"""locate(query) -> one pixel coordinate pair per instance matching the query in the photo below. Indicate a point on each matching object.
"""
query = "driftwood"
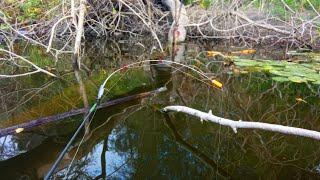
(245, 124)
(58, 117)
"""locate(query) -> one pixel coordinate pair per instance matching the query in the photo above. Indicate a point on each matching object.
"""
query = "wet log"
(58, 117)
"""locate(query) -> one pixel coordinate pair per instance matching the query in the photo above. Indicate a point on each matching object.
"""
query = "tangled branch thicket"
(242, 21)
(248, 23)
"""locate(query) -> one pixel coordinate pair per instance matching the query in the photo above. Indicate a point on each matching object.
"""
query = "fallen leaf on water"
(213, 53)
(19, 130)
(301, 100)
(217, 83)
(244, 52)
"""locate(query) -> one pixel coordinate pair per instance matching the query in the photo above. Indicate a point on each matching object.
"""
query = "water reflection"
(135, 140)
(196, 152)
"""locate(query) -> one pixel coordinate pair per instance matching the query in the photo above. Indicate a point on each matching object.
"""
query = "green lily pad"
(280, 73)
(267, 67)
(298, 68)
(275, 63)
(280, 79)
(246, 63)
(314, 76)
(297, 79)
(283, 70)
(316, 82)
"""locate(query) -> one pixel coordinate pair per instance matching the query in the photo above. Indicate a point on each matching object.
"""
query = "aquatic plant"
(283, 71)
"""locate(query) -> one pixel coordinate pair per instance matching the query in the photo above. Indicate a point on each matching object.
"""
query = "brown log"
(58, 117)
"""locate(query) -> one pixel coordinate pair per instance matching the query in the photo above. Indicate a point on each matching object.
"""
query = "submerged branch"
(58, 117)
(245, 124)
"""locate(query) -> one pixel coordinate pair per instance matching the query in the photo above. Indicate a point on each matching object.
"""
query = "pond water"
(135, 139)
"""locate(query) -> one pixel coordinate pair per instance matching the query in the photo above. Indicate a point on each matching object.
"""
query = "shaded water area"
(136, 140)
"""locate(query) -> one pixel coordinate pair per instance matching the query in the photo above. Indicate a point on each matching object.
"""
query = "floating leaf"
(213, 53)
(245, 52)
(19, 130)
(274, 63)
(294, 72)
(280, 79)
(247, 63)
(267, 67)
(316, 82)
(301, 100)
(280, 73)
(297, 79)
(217, 83)
(314, 76)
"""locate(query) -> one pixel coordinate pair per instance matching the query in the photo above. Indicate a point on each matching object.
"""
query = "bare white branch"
(38, 69)
(245, 124)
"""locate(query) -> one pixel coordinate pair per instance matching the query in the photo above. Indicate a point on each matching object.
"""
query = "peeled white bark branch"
(177, 31)
(53, 30)
(77, 44)
(245, 124)
(38, 69)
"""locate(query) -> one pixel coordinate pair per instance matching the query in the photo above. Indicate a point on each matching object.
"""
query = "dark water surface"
(135, 140)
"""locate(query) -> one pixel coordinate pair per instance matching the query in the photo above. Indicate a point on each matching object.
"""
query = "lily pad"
(297, 79)
(280, 79)
(316, 82)
(314, 76)
(280, 73)
(246, 63)
(268, 67)
(283, 70)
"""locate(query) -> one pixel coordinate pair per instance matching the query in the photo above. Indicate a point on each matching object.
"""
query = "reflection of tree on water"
(144, 146)
(43, 155)
(196, 152)
(103, 160)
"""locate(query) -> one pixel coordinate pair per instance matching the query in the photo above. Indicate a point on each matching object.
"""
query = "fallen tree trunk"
(245, 124)
(58, 117)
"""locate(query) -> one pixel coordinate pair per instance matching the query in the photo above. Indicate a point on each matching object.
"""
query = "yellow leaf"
(244, 52)
(19, 130)
(301, 100)
(216, 83)
(213, 53)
